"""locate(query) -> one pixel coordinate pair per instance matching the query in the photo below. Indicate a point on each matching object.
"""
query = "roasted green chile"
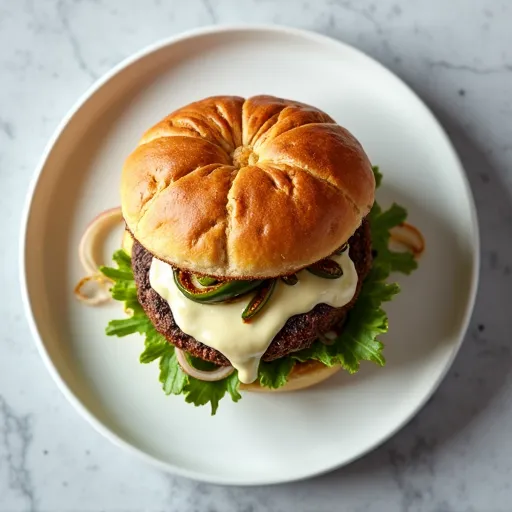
(219, 292)
(341, 250)
(260, 300)
(290, 280)
(213, 291)
(326, 268)
(206, 280)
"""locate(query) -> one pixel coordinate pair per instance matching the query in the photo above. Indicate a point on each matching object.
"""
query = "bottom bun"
(303, 375)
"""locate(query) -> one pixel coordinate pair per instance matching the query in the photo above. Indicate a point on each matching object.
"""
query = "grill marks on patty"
(299, 332)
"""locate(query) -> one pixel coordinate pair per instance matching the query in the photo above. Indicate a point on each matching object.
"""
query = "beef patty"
(299, 332)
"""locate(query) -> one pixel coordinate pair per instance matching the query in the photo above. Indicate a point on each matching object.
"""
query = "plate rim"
(219, 29)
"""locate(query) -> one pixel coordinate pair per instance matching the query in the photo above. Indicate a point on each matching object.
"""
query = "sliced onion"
(100, 295)
(95, 229)
(220, 373)
(86, 254)
(408, 236)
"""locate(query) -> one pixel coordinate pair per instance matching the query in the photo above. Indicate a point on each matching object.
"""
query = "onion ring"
(100, 297)
(408, 236)
(85, 247)
(91, 267)
(220, 373)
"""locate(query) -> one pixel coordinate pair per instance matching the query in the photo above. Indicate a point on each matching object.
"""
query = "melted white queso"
(220, 326)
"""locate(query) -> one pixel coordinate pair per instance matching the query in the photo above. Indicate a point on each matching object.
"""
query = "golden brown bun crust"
(245, 188)
(303, 375)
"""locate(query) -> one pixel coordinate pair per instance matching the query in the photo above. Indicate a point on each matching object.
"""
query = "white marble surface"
(457, 454)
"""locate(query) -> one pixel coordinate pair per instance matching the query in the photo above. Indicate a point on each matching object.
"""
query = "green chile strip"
(260, 300)
(206, 280)
(219, 292)
(326, 268)
(290, 280)
(341, 249)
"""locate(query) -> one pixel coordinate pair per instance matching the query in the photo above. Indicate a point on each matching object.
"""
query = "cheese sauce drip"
(220, 326)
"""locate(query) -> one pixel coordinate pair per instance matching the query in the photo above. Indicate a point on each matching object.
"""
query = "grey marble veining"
(456, 455)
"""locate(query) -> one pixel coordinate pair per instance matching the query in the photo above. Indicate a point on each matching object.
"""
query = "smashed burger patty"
(299, 332)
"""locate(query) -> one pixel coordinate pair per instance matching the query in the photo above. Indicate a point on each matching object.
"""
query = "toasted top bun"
(303, 375)
(245, 188)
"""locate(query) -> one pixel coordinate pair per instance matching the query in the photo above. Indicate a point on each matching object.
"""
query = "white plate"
(263, 438)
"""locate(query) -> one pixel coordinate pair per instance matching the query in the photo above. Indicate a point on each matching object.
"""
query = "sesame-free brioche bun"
(303, 375)
(241, 189)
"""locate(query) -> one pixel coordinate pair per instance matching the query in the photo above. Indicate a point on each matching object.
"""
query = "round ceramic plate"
(265, 438)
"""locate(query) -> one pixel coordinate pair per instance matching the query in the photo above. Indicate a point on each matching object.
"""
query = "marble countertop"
(456, 455)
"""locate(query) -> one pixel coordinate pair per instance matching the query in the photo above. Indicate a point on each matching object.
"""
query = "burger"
(255, 257)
